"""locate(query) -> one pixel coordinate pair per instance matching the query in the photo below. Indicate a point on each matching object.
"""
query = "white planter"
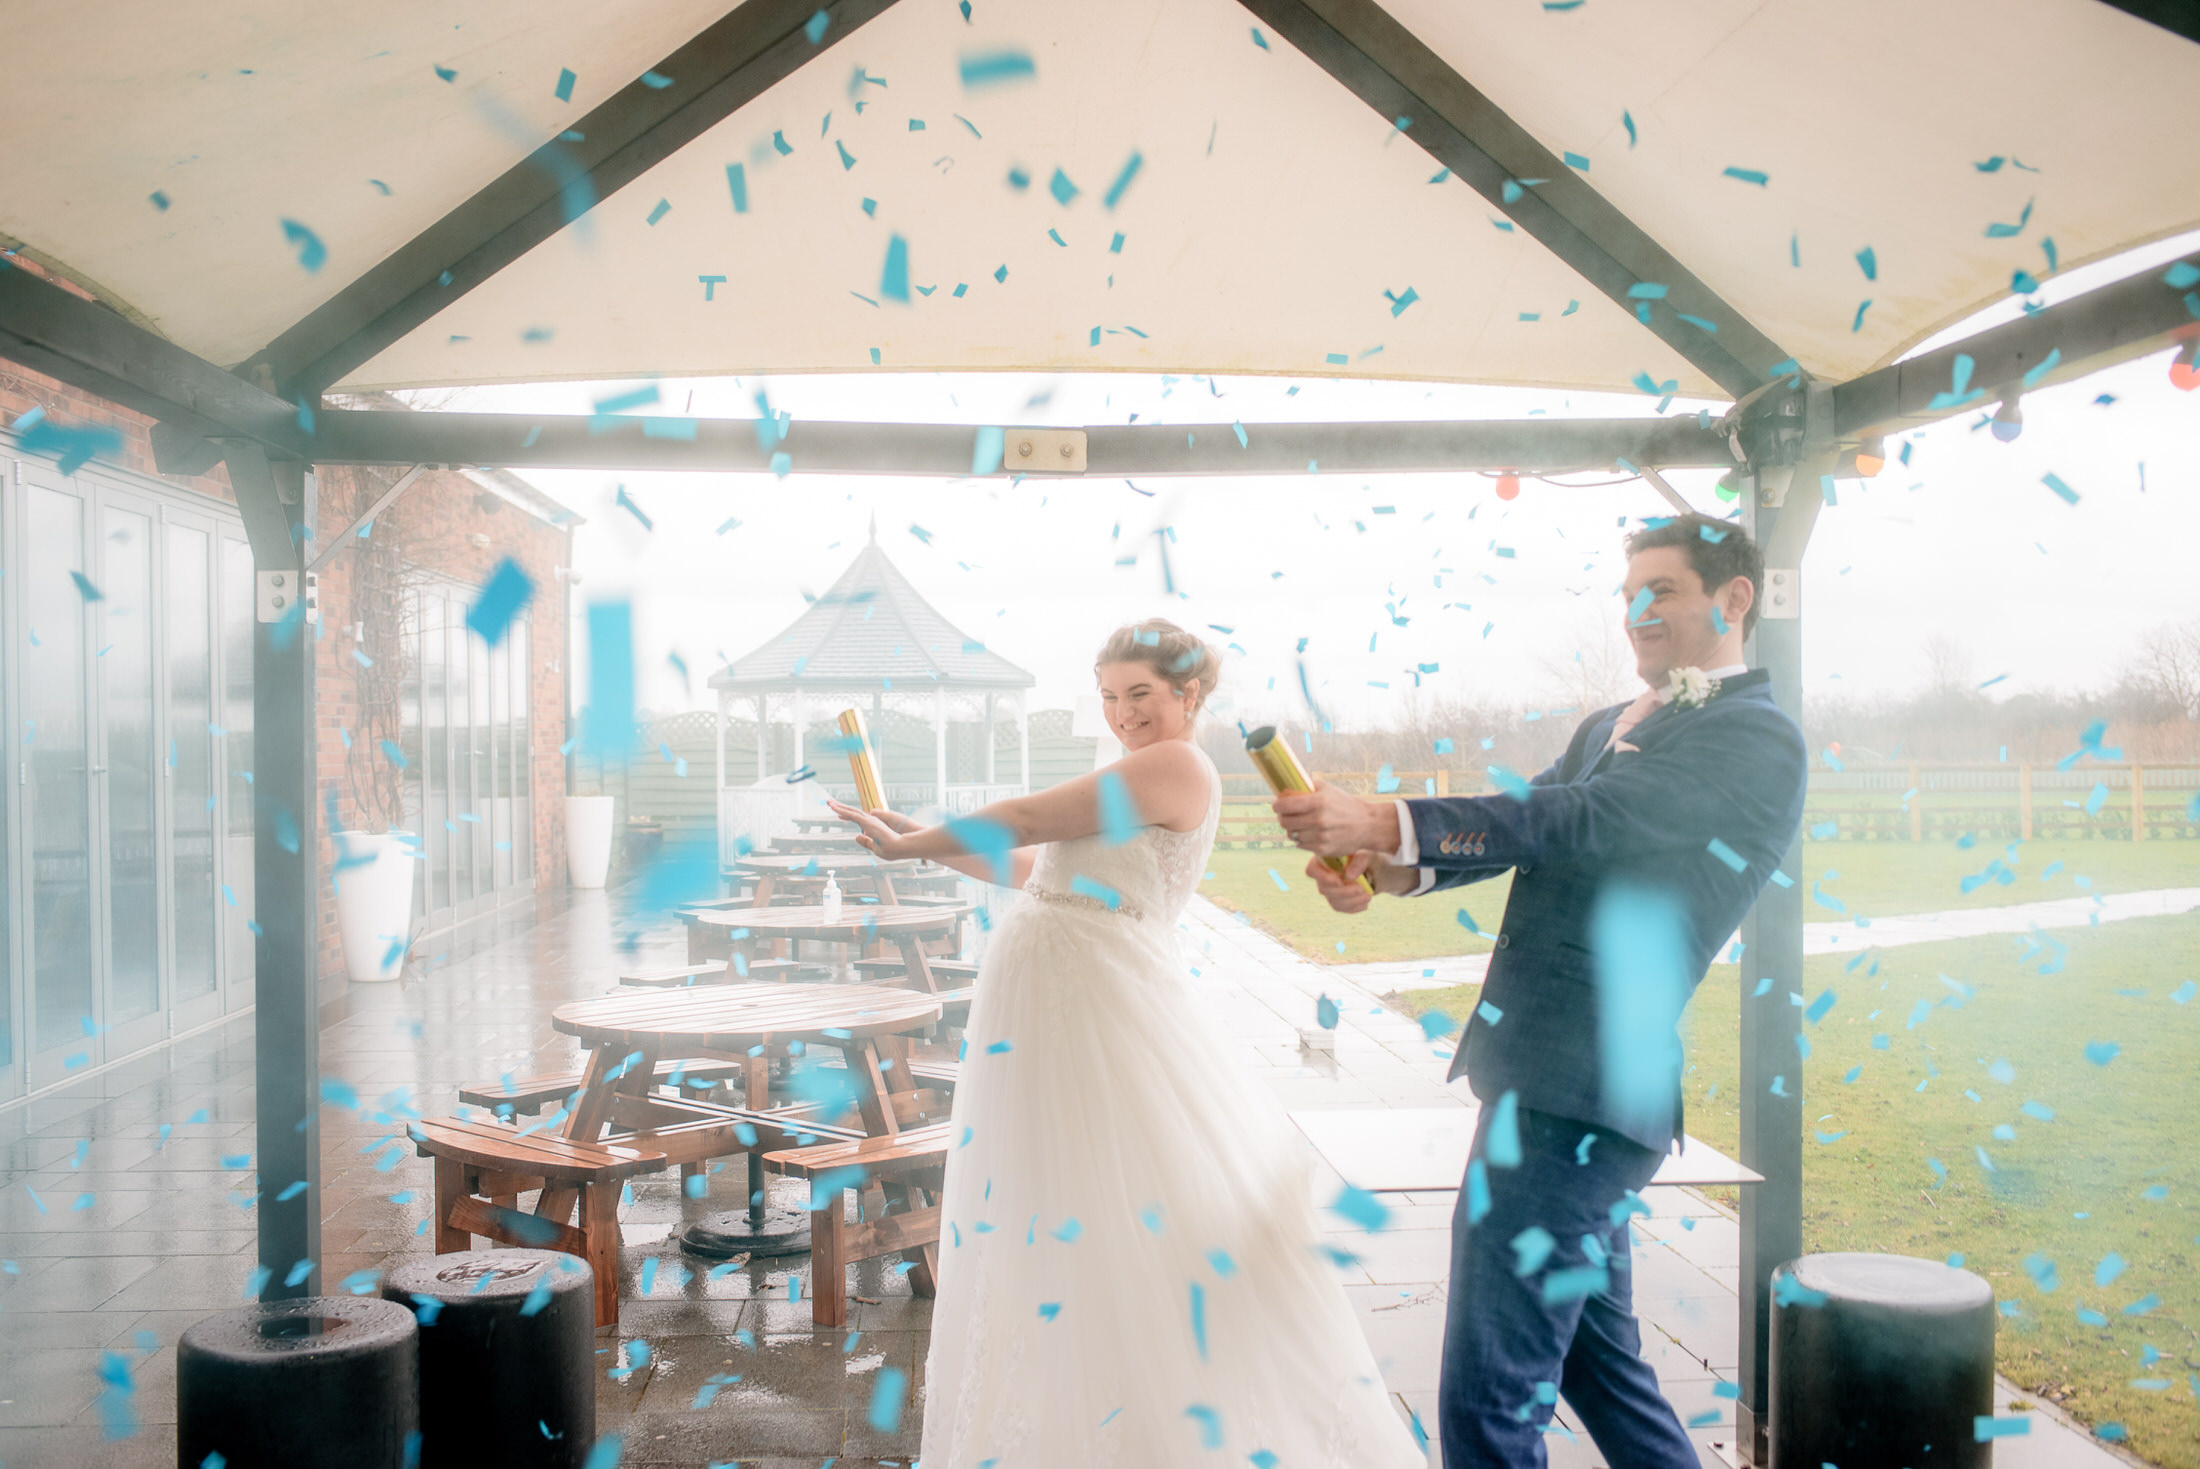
(374, 893)
(587, 840)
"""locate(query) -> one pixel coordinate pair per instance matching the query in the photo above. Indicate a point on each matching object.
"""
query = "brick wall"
(22, 390)
(436, 522)
(450, 526)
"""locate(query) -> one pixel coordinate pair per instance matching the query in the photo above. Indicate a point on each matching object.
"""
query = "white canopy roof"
(1272, 225)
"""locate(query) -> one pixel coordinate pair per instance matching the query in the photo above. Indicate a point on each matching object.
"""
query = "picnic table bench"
(527, 1095)
(910, 1164)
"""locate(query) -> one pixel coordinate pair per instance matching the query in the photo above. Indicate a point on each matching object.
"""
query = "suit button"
(1504, 941)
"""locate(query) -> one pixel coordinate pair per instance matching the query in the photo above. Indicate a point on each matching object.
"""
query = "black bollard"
(323, 1382)
(1880, 1359)
(507, 1340)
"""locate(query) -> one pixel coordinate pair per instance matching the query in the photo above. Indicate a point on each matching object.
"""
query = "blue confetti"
(499, 600)
(1119, 820)
(312, 254)
(1361, 1208)
(1501, 1143)
(992, 68)
(894, 278)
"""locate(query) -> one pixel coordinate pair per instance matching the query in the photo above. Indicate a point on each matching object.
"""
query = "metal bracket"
(1783, 593)
(1657, 482)
(277, 594)
(1044, 451)
(382, 502)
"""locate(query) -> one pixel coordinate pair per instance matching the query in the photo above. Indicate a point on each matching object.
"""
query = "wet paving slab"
(127, 1212)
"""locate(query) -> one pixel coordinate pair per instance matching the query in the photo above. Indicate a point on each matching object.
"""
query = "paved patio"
(126, 1214)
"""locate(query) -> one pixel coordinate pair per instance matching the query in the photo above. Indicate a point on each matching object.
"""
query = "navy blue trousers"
(1514, 1341)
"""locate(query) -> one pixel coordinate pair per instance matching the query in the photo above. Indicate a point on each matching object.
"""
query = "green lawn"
(2115, 1172)
(1875, 879)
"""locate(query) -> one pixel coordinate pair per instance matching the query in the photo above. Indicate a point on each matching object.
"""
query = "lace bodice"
(1151, 877)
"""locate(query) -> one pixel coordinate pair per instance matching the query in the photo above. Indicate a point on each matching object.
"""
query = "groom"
(1633, 857)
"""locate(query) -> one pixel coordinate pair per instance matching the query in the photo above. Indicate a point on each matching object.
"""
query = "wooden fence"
(2005, 802)
(1913, 803)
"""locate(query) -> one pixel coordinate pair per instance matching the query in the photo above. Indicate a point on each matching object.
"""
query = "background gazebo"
(930, 693)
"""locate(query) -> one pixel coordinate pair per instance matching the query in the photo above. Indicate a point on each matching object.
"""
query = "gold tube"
(1272, 757)
(869, 794)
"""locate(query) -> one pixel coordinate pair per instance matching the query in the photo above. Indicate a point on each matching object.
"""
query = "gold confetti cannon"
(870, 795)
(1272, 757)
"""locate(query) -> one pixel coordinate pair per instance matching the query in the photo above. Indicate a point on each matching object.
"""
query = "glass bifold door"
(126, 813)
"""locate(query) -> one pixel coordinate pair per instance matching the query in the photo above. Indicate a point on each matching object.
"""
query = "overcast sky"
(1966, 539)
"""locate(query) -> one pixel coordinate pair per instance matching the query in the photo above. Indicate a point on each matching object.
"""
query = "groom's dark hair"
(1719, 550)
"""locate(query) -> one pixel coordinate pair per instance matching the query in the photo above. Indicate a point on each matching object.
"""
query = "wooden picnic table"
(836, 842)
(628, 1032)
(767, 870)
(906, 926)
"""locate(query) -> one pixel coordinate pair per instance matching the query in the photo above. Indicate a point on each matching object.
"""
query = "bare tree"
(2168, 665)
(1948, 665)
(1598, 670)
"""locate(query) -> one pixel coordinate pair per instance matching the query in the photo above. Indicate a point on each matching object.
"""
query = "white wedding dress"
(1117, 1165)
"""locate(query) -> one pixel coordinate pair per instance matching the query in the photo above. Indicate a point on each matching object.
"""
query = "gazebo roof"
(871, 628)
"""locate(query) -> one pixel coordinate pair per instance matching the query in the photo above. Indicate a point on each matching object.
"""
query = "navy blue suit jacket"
(1731, 770)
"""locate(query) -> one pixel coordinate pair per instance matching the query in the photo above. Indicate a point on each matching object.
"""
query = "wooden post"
(1917, 807)
(1443, 782)
(2024, 802)
(1023, 742)
(939, 746)
(2138, 805)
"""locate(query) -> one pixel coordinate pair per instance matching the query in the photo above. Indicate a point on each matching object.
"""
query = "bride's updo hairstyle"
(1170, 651)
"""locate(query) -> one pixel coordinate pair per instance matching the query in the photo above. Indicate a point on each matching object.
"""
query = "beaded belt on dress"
(1083, 900)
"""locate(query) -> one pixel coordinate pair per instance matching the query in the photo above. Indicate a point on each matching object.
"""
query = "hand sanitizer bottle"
(831, 899)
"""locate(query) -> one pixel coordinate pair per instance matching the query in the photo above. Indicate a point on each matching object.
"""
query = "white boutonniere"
(1691, 688)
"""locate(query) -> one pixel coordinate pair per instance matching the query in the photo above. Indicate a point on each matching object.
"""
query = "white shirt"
(1409, 843)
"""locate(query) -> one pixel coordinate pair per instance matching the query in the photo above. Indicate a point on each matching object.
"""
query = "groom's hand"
(1333, 823)
(1343, 890)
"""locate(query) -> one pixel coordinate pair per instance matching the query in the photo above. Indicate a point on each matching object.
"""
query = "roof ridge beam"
(1392, 70)
(729, 64)
(2114, 323)
(1114, 451)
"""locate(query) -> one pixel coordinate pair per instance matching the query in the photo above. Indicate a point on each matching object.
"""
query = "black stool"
(1891, 1367)
(321, 1381)
(502, 1386)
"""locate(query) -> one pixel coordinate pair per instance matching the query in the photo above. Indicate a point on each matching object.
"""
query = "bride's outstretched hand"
(880, 832)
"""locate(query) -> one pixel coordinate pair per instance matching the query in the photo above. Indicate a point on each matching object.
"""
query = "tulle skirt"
(1129, 1268)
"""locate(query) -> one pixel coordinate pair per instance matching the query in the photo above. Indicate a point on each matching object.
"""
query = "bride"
(1129, 1271)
